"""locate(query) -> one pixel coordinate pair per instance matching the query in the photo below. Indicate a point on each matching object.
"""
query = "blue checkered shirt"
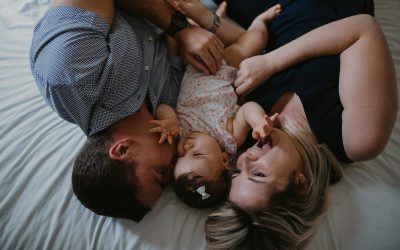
(93, 75)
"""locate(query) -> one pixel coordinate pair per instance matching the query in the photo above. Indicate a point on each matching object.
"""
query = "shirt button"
(150, 38)
(146, 68)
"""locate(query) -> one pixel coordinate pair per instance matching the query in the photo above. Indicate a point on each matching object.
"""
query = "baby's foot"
(270, 14)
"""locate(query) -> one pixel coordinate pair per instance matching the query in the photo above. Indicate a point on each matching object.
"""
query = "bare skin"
(199, 47)
(367, 119)
(240, 44)
(130, 138)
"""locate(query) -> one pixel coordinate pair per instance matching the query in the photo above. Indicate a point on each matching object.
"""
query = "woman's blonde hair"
(290, 217)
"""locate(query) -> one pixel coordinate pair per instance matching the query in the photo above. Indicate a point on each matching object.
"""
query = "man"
(106, 71)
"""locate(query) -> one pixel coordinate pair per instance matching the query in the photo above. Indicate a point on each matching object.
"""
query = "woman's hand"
(201, 48)
(252, 73)
(168, 128)
(190, 8)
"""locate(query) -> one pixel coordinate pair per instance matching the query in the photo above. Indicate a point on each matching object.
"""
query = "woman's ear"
(225, 161)
(120, 150)
(302, 184)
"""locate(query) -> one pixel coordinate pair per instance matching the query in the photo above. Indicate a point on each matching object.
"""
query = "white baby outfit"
(206, 102)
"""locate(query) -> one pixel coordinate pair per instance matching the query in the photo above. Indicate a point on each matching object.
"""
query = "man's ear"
(121, 150)
(225, 161)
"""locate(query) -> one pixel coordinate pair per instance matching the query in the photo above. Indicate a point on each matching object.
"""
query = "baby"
(210, 124)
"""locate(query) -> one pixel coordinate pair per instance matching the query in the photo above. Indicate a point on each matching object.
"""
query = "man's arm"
(156, 11)
(227, 31)
(200, 48)
(241, 44)
(103, 8)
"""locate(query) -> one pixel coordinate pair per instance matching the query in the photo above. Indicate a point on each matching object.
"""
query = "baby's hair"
(186, 186)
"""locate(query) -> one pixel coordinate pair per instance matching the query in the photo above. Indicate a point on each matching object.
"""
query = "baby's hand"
(168, 128)
(264, 127)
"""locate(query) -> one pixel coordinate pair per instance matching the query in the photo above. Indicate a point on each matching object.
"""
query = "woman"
(278, 194)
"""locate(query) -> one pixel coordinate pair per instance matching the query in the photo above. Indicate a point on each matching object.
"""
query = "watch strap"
(216, 23)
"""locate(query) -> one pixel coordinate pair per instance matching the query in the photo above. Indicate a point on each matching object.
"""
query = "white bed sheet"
(37, 148)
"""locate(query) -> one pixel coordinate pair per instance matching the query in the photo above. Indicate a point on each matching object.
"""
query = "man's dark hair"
(106, 186)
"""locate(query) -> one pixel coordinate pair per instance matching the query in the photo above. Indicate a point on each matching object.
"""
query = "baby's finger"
(162, 138)
(267, 119)
(256, 134)
(155, 130)
(156, 122)
(174, 133)
(170, 139)
(274, 117)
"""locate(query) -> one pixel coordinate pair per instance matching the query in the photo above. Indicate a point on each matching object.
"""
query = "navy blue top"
(315, 81)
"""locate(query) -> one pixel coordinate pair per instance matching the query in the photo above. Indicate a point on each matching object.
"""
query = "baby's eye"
(259, 174)
(235, 172)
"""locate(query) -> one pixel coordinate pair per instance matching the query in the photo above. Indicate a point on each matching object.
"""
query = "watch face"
(179, 20)
(180, 23)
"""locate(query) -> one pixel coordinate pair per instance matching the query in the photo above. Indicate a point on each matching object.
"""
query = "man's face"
(153, 161)
(154, 166)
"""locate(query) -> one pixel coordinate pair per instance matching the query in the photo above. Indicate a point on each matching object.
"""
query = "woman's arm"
(367, 82)
(199, 47)
(241, 44)
(228, 31)
(330, 39)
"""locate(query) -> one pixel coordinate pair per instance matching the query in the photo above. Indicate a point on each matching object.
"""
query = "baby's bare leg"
(254, 40)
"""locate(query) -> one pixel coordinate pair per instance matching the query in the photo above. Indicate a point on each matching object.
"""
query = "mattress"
(38, 209)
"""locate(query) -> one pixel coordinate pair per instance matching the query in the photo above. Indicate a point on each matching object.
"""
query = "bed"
(38, 209)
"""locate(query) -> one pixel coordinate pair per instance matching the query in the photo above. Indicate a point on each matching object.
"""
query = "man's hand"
(264, 127)
(168, 128)
(201, 48)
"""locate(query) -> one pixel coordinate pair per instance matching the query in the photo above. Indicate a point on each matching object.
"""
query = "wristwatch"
(178, 22)
(216, 23)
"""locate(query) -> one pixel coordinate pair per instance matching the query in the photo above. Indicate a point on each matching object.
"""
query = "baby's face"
(201, 154)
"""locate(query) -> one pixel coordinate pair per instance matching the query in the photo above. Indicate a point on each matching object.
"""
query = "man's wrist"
(177, 23)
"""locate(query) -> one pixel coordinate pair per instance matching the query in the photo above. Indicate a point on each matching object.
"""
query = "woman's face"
(263, 171)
